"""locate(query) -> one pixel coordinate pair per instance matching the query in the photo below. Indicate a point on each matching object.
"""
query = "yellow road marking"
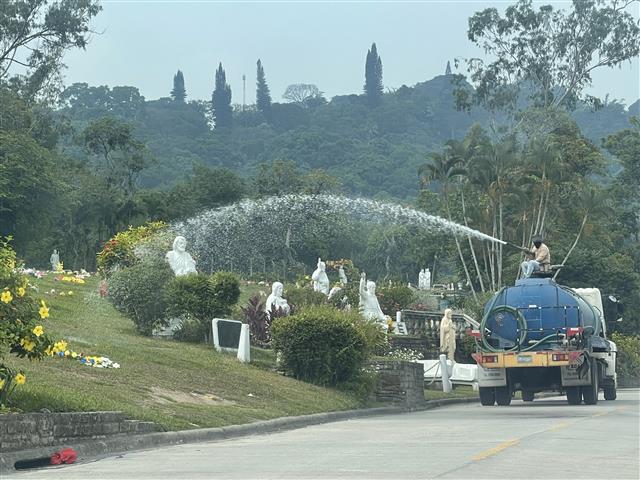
(559, 426)
(495, 450)
(600, 414)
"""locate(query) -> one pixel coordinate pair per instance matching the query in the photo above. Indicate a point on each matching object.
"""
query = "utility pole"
(244, 90)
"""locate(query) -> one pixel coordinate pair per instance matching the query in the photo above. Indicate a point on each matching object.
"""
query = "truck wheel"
(574, 395)
(610, 393)
(503, 396)
(590, 392)
(487, 396)
(527, 396)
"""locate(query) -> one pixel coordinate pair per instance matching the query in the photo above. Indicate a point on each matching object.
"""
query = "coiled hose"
(522, 327)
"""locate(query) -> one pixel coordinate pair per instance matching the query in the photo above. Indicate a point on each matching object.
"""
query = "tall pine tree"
(221, 100)
(178, 93)
(373, 76)
(263, 97)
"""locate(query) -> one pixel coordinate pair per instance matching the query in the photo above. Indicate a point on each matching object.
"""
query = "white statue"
(421, 280)
(369, 305)
(342, 275)
(275, 300)
(448, 335)
(179, 260)
(334, 291)
(427, 279)
(54, 260)
(320, 279)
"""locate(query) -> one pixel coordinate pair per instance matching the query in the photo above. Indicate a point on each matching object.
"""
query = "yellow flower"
(21, 291)
(37, 331)
(27, 344)
(44, 311)
(70, 292)
(6, 296)
(1, 383)
(60, 346)
(67, 353)
(74, 354)
(11, 264)
(20, 379)
(49, 351)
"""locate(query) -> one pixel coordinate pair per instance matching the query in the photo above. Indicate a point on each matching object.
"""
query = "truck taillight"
(474, 333)
(560, 357)
(489, 359)
(573, 331)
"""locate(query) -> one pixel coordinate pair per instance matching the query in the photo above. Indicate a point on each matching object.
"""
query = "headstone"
(226, 334)
(244, 345)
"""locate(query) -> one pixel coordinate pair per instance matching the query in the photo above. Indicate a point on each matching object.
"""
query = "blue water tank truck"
(541, 336)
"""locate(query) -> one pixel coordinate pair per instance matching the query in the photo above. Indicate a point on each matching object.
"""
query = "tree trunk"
(575, 242)
(473, 251)
(464, 265)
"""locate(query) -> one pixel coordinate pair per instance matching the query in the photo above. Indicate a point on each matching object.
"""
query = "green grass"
(177, 385)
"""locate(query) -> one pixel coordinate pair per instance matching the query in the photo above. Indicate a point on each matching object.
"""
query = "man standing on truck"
(541, 258)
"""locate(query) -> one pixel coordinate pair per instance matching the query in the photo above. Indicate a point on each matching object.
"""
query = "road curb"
(99, 448)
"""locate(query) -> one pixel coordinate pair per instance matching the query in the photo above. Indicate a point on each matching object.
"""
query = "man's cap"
(537, 238)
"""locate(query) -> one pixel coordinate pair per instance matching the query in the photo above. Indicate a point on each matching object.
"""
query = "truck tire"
(610, 393)
(503, 396)
(574, 395)
(528, 396)
(487, 396)
(590, 392)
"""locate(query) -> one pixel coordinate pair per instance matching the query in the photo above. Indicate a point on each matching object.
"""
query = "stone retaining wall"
(400, 383)
(33, 430)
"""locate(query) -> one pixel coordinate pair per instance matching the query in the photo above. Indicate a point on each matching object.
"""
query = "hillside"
(373, 151)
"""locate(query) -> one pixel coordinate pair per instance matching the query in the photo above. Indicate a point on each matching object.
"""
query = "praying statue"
(275, 300)
(421, 280)
(320, 279)
(342, 275)
(179, 260)
(54, 260)
(369, 305)
(427, 279)
(448, 335)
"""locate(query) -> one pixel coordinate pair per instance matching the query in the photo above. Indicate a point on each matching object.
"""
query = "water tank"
(546, 307)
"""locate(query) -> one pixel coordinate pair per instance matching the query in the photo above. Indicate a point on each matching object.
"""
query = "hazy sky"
(143, 44)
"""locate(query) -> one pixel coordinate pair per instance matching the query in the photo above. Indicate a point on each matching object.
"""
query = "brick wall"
(33, 430)
(399, 382)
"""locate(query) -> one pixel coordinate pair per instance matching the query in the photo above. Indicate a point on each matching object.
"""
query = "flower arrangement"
(70, 279)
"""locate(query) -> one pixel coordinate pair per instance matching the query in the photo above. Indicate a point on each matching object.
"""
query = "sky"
(144, 43)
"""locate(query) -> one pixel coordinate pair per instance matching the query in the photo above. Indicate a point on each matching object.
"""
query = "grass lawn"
(177, 385)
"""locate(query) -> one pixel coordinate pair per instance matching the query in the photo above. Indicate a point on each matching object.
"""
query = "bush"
(393, 298)
(628, 361)
(118, 252)
(226, 289)
(193, 295)
(258, 320)
(322, 345)
(191, 330)
(138, 293)
(21, 322)
(299, 298)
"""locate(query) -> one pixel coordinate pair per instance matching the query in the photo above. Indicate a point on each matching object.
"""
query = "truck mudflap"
(546, 358)
(492, 377)
(573, 376)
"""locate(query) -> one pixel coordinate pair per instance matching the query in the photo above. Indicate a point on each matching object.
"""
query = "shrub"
(393, 298)
(226, 289)
(628, 361)
(321, 345)
(118, 252)
(21, 322)
(191, 330)
(138, 293)
(304, 297)
(258, 320)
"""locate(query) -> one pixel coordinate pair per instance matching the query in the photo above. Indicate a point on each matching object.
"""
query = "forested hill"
(373, 151)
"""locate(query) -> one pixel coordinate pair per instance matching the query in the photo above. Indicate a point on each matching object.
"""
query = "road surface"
(546, 439)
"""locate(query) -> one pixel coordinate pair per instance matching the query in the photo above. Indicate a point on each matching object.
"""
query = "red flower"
(66, 455)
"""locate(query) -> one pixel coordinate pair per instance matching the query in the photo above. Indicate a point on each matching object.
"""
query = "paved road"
(546, 439)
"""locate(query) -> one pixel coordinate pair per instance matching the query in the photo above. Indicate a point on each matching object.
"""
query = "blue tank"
(544, 308)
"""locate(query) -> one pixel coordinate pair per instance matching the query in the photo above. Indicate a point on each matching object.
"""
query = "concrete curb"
(97, 448)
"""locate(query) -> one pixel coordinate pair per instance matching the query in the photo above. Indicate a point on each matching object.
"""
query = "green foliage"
(321, 345)
(193, 295)
(119, 251)
(373, 76)
(178, 93)
(191, 330)
(258, 320)
(301, 297)
(628, 360)
(226, 291)
(138, 292)
(263, 97)
(21, 322)
(221, 100)
(394, 297)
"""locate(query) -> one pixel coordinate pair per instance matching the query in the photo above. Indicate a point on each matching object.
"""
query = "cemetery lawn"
(177, 385)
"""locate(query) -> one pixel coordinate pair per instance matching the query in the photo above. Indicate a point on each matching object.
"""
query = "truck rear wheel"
(574, 395)
(503, 396)
(590, 392)
(610, 393)
(487, 396)
(528, 396)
